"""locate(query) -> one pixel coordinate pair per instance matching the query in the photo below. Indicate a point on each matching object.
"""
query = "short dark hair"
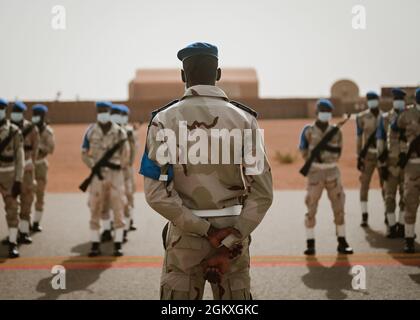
(201, 68)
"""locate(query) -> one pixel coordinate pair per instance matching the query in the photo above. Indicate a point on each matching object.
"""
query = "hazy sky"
(299, 47)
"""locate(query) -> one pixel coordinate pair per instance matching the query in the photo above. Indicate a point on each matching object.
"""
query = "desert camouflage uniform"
(11, 170)
(46, 147)
(130, 186)
(367, 123)
(31, 144)
(409, 121)
(323, 175)
(95, 144)
(206, 186)
(388, 142)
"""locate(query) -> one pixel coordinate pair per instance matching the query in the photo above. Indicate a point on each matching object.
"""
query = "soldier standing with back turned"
(212, 207)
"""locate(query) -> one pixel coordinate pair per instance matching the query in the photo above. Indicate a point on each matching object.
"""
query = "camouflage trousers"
(41, 171)
(11, 205)
(27, 195)
(411, 192)
(394, 184)
(129, 196)
(318, 180)
(130, 187)
(370, 163)
(110, 189)
(182, 275)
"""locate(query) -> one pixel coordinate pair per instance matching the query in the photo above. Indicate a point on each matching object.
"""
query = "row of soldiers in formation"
(24, 147)
(388, 142)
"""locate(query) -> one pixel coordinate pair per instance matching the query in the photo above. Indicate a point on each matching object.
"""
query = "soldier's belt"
(27, 148)
(7, 158)
(414, 161)
(212, 213)
(374, 151)
(39, 161)
(7, 169)
(324, 166)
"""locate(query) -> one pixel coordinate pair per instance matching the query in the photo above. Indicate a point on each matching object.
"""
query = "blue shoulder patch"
(303, 142)
(380, 131)
(85, 143)
(150, 169)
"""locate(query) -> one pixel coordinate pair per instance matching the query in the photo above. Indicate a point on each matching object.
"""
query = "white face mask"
(399, 105)
(36, 119)
(324, 116)
(2, 114)
(124, 119)
(116, 118)
(373, 104)
(16, 116)
(418, 106)
(103, 117)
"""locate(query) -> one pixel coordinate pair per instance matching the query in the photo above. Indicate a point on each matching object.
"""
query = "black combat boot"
(400, 230)
(106, 236)
(118, 249)
(364, 223)
(393, 232)
(343, 246)
(409, 245)
(125, 239)
(13, 250)
(24, 238)
(36, 227)
(310, 250)
(132, 226)
(95, 250)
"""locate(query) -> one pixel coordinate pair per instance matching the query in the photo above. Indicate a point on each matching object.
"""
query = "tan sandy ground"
(67, 170)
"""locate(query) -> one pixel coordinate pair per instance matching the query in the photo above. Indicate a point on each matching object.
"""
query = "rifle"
(412, 148)
(322, 145)
(27, 130)
(5, 143)
(103, 162)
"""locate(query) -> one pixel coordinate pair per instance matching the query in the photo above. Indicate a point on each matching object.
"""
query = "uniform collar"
(205, 91)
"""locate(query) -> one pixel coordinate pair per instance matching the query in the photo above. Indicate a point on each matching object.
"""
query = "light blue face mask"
(2, 114)
(103, 117)
(36, 119)
(372, 104)
(116, 118)
(16, 116)
(324, 116)
(399, 105)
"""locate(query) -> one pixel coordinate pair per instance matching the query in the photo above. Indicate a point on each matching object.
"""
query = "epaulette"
(244, 107)
(155, 112)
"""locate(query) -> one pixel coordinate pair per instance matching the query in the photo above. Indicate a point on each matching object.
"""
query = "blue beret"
(20, 105)
(418, 95)
(116, 107)
(398, 93)
(196, 49)
(3, 102)
(39, 107)
(124, 108)
(372, 95)
(105, 104)
(324, 103)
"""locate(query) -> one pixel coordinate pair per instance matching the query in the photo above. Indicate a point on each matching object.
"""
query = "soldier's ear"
(183, 77)
(218, 74)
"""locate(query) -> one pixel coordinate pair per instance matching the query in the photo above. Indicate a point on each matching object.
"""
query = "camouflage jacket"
(367, 124)
(13, 155)
(409, 121)
(46, 142)
(208, 184)
(30, 140)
